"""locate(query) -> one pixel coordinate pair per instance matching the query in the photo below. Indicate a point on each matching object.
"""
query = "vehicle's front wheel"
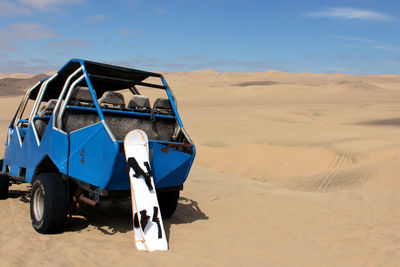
(4, 185)
(49, 204)
(168, 201)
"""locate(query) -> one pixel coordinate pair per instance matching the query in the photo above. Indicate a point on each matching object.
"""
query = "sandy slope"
(292, 170)
(13, 86)
(15, 75)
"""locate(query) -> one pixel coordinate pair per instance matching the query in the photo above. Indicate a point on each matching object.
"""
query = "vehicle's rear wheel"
(4, 185)
(49, 204)
(168, 201)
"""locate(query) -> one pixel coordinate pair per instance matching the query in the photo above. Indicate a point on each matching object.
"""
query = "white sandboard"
(147, 222)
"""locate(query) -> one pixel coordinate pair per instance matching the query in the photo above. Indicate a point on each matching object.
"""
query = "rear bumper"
(170, 163)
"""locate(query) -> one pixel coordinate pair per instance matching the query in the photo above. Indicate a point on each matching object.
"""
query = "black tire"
(49, 205)
(168, 201)
(4, 185)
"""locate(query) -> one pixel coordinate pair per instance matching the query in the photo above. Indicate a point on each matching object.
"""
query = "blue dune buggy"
(66, 139)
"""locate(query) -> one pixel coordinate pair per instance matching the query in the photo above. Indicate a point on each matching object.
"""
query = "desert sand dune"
(291, 170)
(16, 86)
(16, 75)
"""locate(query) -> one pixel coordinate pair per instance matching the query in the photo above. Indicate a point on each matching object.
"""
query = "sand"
(14, 86)
(291, 170)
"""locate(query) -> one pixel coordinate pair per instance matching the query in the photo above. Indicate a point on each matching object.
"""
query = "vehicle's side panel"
(57, 144)
(12, 154)
(92, 155)
(54, 144)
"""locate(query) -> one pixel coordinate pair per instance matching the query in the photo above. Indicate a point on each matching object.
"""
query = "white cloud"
(12, 34)
(25, 31)
(68, 43)
(96, 18)
(355, 39)
(392, 61)
(160, 10)
(39, 61)
(357, 46)
(124, 31)
(362, 43)
(196, 61)
(12, 8)
(393, 48)
(44, 5)
(8, 47)
(24, 7)
(26, 66)
(350, 13)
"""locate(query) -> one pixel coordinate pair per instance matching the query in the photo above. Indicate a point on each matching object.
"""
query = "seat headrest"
(139, 101)
(112, 98)
(48, 109)
(51, 105)
(81, 94)
(162, 103)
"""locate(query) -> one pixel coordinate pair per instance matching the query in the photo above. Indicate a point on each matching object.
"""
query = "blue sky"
(353, 36)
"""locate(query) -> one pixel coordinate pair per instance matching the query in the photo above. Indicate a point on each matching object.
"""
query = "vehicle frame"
(91, 159)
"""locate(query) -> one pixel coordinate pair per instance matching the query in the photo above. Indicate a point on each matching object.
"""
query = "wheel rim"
(38, 204)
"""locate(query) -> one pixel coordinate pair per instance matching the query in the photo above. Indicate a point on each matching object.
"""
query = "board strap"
(157, 221)
(132, 163)
(144, 219)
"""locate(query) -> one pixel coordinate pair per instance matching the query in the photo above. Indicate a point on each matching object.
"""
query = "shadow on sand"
(188, 211)
(21, 195)
(253, 83)
(384, 122)
(116, 216)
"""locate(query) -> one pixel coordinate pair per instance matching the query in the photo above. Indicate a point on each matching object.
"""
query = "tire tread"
(55, 207)
(168, 201)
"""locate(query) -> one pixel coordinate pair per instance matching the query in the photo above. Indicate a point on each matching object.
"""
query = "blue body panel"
(170, 167)
(53, 144)
(91, 154)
